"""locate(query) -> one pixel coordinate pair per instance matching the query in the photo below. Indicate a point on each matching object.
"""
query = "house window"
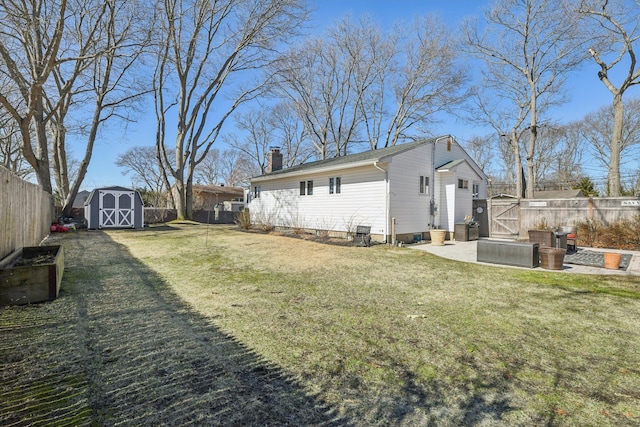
(476, 190)
(424, 185)
(334, 185)
(306, 188)
(463, 184)
(256, 192)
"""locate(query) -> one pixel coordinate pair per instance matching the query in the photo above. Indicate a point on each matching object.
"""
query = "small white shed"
(114, 207)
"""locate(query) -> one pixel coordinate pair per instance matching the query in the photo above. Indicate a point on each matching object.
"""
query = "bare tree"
(569, 150)
(532, 44)
(559, 156)
(236, 168)
(65, 59)
(209, 63)
(619, 22)
(209, 171)
(262, 129)
(427, 78)
(597, 127)
(256, 138)
(232, 167)
(318, 79)
(11, 148)
(141, 162)
(30, 39)
(506, 118)
(480, 149)
(360, 85)
(111, 37)
(290, 135)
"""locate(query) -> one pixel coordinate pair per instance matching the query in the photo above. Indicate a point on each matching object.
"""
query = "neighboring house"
(402, 191)
(208, 197)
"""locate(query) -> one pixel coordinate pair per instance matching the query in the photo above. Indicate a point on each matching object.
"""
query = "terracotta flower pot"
(611, 260)
(437, 237)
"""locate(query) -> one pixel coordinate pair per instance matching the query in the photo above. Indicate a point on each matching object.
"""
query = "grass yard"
(189, 324)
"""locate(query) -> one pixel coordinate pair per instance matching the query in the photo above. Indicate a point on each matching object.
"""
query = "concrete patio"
(467, 252)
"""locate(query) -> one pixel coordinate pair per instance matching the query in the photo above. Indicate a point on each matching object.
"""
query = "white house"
(391, 190)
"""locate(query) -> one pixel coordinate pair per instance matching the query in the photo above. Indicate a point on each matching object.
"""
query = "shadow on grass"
(118, 347)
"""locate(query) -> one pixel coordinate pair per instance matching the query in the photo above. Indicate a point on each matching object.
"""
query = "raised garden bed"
(31, 275)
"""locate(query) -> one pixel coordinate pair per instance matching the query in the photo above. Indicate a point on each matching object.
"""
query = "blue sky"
(586, 92)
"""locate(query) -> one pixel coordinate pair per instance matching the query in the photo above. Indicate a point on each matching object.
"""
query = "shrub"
(542, 224)
(243, 219)
(623, 234)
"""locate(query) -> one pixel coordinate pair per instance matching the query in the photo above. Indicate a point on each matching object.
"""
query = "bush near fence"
(26, 213)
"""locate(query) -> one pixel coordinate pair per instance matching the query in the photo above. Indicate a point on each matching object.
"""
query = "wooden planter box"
(31, 275)
(545, 238)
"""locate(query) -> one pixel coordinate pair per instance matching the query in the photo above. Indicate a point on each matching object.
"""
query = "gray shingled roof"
(351, 158)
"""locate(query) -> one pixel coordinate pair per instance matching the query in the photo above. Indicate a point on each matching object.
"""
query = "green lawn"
(343, 335)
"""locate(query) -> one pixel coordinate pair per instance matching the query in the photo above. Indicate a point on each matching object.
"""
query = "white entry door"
(116, 208)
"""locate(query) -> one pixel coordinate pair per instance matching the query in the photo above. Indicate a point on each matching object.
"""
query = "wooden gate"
(504, 218)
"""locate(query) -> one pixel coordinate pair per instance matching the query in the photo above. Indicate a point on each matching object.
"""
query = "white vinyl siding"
(408, 206)
(373, 193)
(361, 201)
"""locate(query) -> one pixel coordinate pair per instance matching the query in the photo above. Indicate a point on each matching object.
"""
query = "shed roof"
(113, 188)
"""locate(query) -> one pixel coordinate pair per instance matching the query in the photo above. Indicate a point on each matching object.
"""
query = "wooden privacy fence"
(512, 218)
(26, 213)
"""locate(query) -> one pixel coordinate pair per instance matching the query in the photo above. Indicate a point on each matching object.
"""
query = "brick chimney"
(274, 160)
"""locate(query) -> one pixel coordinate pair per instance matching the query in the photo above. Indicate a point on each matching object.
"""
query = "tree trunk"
(614, 188)
(42, 169)
(180, 200)
(515, 146)
(533, 136)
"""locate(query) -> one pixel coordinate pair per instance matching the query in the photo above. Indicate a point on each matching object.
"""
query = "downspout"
(432, 203)
(386, 201)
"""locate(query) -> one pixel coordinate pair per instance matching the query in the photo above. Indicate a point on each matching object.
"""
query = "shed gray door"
(116, 208)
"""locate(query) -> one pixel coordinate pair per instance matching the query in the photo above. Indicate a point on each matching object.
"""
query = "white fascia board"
(452, 169)
(313, 171)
